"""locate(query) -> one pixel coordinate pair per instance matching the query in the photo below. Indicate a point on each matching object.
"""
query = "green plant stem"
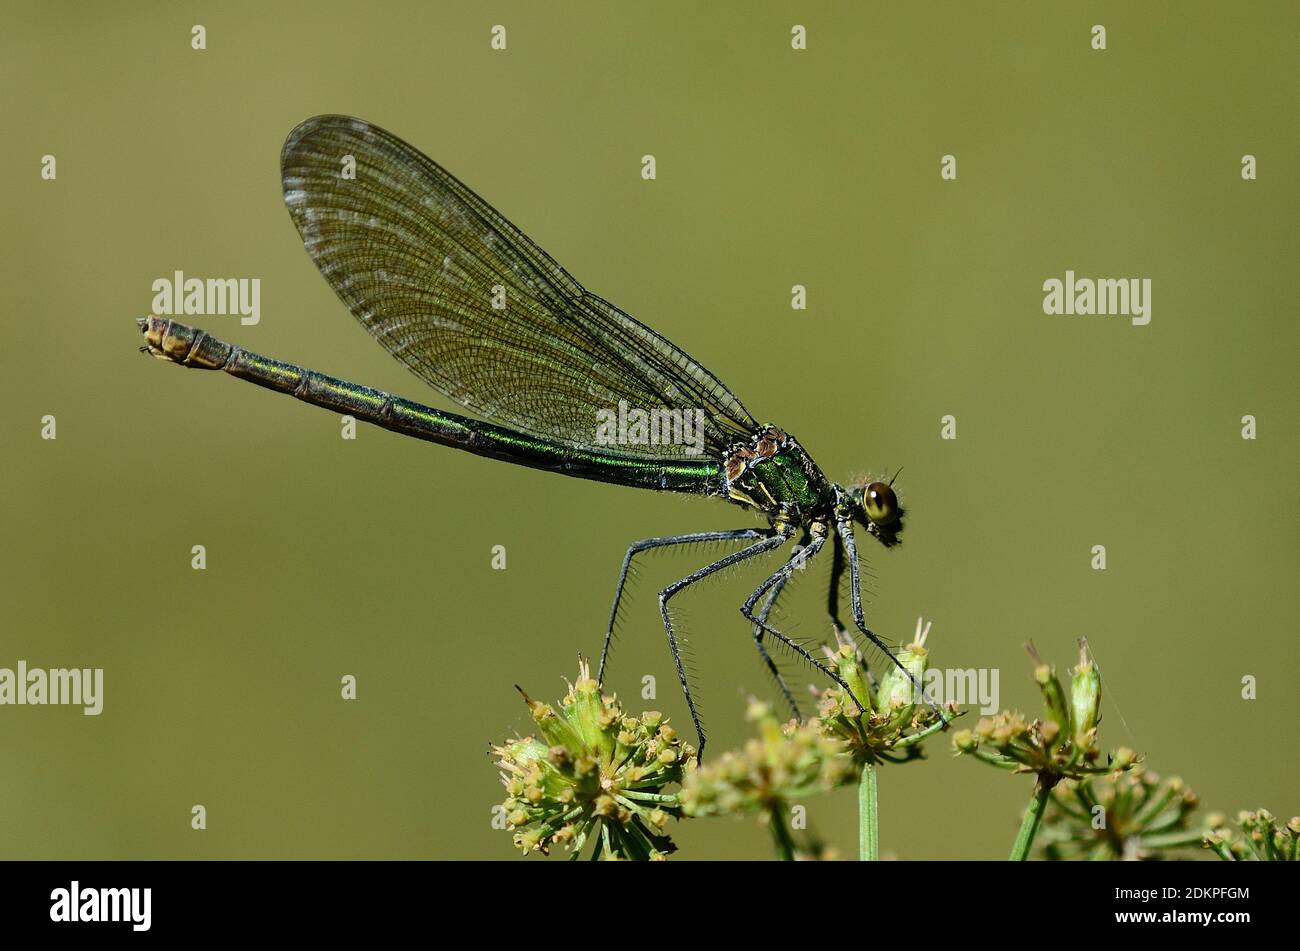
(1033, 816)
(780, 832)
(868, 815)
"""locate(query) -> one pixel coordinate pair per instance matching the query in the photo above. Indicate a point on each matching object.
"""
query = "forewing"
(423, 263)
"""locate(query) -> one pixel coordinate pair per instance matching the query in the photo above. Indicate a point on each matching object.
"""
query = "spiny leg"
(833, 597)
(845, 530)
(662, 542)
(780, 576)
(833, 593)
(767, 658)
(767, 544)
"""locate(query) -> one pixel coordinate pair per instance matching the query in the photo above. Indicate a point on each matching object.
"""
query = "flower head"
(1131, 815)
(897, 717)
(1258, 837)
(593, 773)
(1062, 744)
(785, 761)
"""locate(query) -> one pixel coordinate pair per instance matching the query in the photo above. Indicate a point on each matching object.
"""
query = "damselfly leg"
(666, 541)
(772, 541)
(833, 592)
(781, 576)
(646, 544)
(845, 529)
(771, 665)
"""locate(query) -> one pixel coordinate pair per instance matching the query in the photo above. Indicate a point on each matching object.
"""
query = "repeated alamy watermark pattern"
(40, 686)
(963, 686)
(213, 296)
(960, 686)
(1099, 297)
(629, 426)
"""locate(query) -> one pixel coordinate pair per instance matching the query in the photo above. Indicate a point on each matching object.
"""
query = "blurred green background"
(820, 167)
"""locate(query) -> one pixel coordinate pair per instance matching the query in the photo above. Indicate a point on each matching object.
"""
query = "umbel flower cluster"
(785, 761)
(843, 744)
(1062, 744)
(1258, 837)
(895, 719)
(794, 760)
(593, 775)
(1130, 816)
(595, 779)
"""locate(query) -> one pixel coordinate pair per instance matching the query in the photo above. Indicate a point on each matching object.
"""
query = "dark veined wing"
(421, 260)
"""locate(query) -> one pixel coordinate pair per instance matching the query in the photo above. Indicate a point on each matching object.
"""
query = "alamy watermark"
(77, 903)
(964, 686)
(39, 686)
(212, 296)
(651, 427)
(1099, 297)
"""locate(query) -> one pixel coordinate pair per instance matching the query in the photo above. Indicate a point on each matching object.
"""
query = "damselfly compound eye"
(880, 503)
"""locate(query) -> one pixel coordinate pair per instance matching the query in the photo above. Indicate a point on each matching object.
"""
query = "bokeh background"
(775, 167)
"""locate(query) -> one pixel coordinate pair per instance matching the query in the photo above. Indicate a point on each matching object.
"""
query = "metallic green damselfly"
(483, 315)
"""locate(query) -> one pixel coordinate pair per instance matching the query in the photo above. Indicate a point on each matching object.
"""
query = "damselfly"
(483, 315)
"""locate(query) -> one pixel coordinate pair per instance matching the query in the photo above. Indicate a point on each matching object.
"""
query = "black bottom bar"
(550, 902)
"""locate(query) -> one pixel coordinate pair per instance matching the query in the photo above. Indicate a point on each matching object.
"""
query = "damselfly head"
(880, 511)
(880, 503)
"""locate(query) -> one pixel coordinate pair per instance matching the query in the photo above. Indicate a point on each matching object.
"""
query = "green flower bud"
(902, 689)
(530, 841)
(556, 730)
(585, 709)
(1123, 758)
(1054, 704)
(851, 672)
(1085, 691)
